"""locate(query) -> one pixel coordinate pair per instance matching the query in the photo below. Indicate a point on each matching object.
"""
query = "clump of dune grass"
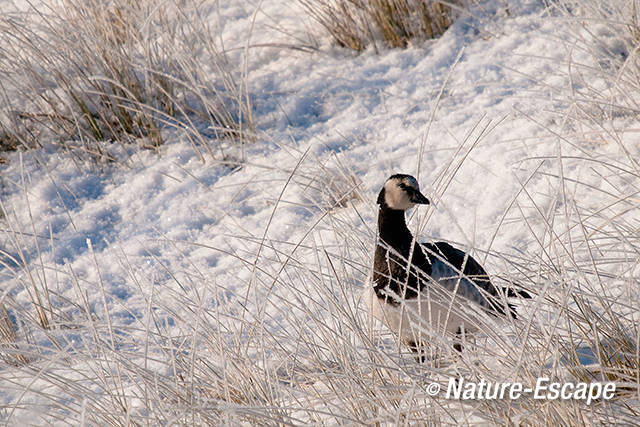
(356, 24)
(83, 72)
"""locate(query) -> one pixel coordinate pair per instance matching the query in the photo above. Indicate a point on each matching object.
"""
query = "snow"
(163, 228)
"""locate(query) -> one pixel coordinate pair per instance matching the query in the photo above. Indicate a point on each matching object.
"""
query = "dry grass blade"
(9, 351)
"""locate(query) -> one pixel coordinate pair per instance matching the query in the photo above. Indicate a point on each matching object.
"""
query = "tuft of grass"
(356, 24)
(83, 72)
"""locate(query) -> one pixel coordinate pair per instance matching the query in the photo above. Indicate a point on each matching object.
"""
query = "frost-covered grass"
(604, 59)
(289, 341)
(180, 292)
(84, 72)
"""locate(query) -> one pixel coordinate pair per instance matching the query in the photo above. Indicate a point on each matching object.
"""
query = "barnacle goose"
(417, 299)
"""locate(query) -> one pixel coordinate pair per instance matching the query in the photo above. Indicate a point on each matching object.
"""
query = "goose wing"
(461, 262)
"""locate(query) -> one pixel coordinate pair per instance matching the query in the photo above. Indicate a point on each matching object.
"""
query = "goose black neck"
(392, 227)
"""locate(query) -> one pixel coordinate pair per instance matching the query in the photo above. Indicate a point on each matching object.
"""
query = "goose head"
(401, 192)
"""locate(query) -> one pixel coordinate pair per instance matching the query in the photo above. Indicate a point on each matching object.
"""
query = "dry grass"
(604, 64)
(356, 24)
(9, 351)
(291, 342)
(83, 72)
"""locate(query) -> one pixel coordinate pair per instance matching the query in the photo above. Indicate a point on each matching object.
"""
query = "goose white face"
(403, 192)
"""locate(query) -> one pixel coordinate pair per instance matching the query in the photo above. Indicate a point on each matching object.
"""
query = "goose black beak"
(419, 198)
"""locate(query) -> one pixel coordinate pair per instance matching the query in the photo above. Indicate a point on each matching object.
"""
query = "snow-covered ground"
(162, 268)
